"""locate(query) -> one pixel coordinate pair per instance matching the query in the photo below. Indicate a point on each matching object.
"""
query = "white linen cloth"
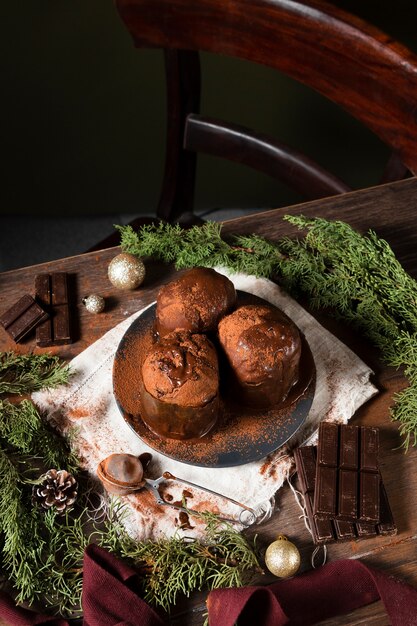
(87, 403)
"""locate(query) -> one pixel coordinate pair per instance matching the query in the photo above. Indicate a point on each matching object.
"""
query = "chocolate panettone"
(195, 302)
(180, 386)
(263, 348)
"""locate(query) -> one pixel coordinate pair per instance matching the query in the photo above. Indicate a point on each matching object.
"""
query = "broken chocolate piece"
(52, 292)
(22, 317)
(347, 476)
(328, 530)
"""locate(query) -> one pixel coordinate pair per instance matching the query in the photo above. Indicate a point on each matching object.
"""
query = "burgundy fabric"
(334, 589)
(18, 616)
(110, 599)
(109, 596)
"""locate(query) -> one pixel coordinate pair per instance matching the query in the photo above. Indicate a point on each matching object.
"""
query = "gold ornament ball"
(126, 271)
(94, 303)
(282, 558)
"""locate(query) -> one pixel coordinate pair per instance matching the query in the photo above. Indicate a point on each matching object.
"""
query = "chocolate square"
(52, 292)
(23, 317)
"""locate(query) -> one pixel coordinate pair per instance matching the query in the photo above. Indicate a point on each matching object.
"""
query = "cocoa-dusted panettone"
(180, 386)
(196, 302)
(263, 348)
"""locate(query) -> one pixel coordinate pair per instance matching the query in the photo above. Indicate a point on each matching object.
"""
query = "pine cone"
(58, 489)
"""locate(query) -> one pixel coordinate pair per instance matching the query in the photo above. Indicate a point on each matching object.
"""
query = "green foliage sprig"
(357, 276)
(25, 373)
(42, 554)
(23, 430)
(180, 565)
(31, 542)
(201, 245)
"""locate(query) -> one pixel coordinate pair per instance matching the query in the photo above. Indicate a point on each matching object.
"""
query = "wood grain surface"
(390, 210)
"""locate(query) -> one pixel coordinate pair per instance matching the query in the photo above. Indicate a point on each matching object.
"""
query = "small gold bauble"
(94, 303)
(126, 271)
(282, 558)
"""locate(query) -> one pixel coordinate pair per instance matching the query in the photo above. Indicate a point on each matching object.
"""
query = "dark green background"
(83, 114)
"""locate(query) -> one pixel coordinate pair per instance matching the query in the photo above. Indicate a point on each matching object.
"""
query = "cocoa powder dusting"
(266, 465)
(127, 370)
(207, 505)
(78, 412)
(145, 504)
(94, 410)
(195, 301)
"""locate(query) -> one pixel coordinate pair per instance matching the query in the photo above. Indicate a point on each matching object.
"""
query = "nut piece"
(121, 474)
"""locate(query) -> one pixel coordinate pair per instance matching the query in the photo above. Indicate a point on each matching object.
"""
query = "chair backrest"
(339, 55)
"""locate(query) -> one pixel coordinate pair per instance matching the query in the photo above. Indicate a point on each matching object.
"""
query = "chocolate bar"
(328, 530)
(52, 292)
(22, 317)
(347, 474)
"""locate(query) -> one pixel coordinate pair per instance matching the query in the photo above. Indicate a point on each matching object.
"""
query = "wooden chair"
(339, 55)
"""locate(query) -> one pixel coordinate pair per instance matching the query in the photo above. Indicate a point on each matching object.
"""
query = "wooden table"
(390, 210)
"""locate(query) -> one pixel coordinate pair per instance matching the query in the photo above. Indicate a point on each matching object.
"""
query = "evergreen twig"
(201, 245)
(31, 542)
(22, 427)
(42, 554)
(25, 373)
(39, 550)
(357, 276)
(180, 565)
